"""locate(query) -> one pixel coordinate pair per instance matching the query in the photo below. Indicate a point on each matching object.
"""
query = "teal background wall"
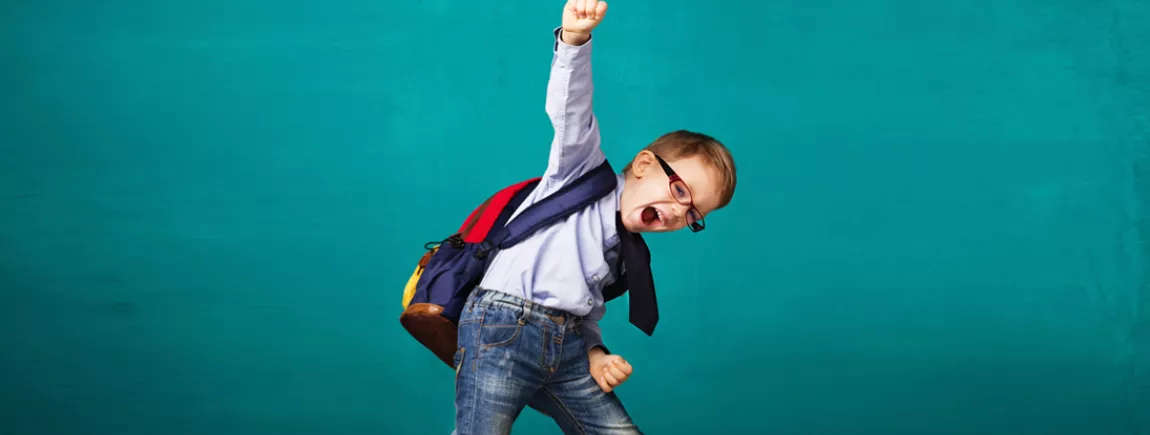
(208, 210)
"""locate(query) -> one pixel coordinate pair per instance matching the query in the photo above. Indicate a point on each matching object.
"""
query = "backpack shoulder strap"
(582, 192)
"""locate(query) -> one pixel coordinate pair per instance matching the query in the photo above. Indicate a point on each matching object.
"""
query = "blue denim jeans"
(515, 353)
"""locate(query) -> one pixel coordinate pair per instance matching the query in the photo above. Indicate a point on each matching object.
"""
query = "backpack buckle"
(456, 241)
(485, 248)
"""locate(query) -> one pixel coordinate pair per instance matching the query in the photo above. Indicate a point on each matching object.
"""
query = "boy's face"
(651, 202)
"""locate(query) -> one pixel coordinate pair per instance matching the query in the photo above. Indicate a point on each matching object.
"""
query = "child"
(528, 335)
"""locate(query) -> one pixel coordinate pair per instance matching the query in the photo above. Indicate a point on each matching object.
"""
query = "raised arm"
(575, 148)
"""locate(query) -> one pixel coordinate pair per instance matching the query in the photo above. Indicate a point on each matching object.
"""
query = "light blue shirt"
(566, 265)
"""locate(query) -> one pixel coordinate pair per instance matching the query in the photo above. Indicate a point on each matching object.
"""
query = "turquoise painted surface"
(208, 209)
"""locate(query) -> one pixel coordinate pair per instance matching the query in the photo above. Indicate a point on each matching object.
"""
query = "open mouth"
(651, 216)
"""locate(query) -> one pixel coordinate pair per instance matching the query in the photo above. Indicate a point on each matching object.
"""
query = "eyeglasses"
(683, 195)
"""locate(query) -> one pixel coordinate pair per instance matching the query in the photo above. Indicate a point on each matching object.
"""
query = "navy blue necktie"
(637, 257)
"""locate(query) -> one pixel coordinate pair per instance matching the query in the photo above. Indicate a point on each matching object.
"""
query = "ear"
(643, 163)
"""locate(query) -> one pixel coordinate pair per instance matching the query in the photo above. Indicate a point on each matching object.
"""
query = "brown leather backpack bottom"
(424, 322)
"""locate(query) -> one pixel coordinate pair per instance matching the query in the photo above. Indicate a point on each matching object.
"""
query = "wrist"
(573, 38)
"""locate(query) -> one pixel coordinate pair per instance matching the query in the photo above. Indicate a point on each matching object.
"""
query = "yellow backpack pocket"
(409, 289)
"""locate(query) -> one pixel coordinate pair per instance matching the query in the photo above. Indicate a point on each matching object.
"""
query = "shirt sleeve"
(575, 148)
(592, 335)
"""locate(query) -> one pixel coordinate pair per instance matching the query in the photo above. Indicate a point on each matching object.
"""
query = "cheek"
(657, 192)
(649, 192)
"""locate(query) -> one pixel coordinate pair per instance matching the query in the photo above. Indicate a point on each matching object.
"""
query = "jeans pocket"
(501, 325)
(500, 334)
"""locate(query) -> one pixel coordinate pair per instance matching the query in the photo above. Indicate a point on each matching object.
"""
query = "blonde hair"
(683, 144)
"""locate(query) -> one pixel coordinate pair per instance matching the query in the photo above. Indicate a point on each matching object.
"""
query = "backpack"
(436, 292)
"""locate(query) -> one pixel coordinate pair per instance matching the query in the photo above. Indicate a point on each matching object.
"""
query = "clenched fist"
(609, 371)
(581, 16)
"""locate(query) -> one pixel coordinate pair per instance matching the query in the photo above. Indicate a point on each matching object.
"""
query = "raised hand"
(581, 16)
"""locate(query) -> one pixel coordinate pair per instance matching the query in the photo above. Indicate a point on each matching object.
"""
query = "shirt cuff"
(571, 54)
(593, 336)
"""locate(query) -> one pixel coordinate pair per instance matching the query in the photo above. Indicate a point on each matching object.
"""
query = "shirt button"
(595, 278)
(590, 302)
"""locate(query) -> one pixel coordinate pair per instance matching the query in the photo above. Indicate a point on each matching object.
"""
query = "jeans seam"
(543, 352)
(559, 345)
(566, 411)
(476, 354)
(459, 366)
(471, 401)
